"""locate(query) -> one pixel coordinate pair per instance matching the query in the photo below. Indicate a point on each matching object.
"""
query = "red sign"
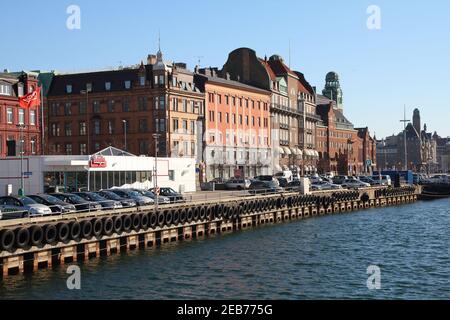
(31, 100)
(97, 162)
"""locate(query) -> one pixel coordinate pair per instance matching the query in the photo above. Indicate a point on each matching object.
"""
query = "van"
(287, 174)
(385, 180)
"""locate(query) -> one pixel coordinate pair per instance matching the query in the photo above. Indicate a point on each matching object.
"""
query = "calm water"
(323, 258)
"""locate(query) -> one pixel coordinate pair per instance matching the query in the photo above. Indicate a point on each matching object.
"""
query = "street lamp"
(404, 120)
(156, 136)
(125, 133)
(86, 92)
(21, 126)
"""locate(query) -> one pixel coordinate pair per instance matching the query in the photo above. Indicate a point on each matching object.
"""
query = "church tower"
(333, 89)
(416, 121)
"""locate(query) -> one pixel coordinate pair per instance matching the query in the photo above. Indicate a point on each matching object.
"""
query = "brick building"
(292, 107)
(237, 127)
(124, 108)
(343, 149)
(13, 117)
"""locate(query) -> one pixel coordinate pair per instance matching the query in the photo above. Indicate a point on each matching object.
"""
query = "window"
(69, 88)
(97, 127)
(6, 90)
(82, 107)
(68, 129)
(219, 116)
(82, 127)
(192, 127)
(68, 148)
(184, 105)
(96, 106)
(193, 148)
(142, 104)
(185, 148)
(174, 125)
(97, 146)
(32, 117)
(211, 116)
(211, 97)
(162, 103)
(126, 105)
(143, 125)
(54, 108)
(83, 148)
(185, 126)
(127, 84)
(227, 117)
(143, 147)
(172, 175)
(33, 145)
(240, 119)
(219, 99)
(160, 125)
(21, 116)
(111, 126)
(54, 129)
(108, 86)
(111, 104)
(175, 104)
(161, 80)
(67, 109)
(142, 81)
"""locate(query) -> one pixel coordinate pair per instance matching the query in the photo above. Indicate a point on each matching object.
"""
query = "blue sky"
(404, 63)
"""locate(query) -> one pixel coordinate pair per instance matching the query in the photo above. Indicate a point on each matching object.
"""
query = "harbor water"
(319, 258)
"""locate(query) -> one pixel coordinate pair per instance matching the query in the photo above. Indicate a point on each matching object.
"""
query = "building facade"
(292, 107)
(237, 127)
(130, 108)
(16, 122)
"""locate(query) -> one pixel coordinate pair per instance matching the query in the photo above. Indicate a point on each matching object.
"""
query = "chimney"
(151, 59)
(228, 76)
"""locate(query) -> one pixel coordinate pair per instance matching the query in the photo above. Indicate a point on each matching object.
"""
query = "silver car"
(238, 184)
(21, 207)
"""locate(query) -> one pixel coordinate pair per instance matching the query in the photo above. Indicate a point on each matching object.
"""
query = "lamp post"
(86, 92)
(156, 136)
(404, 120)
(125, 123)
(21, 126)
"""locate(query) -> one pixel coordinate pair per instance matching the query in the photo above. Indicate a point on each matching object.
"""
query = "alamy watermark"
(374, 19)
(73, 21)
(374, 279)
(74, 280)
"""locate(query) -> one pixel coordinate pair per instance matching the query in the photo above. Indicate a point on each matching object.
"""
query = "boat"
(432, 190)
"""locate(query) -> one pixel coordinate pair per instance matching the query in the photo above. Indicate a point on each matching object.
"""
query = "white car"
(384, 180)
(354, 184)
(23, 207)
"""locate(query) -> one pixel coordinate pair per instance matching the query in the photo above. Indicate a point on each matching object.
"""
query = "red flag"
(32, 99)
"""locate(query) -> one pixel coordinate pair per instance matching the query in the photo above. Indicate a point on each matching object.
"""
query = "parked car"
(79, 203)
(315, 179)
(151, 195)
(55, 204)
(171, 194)
(136, 196)
(384, 180)
(339, 179)
(126, 203)
(105, 203)
(215, 184)
(283, 182)
(264, 178)
(264, 187)
(24, 206)
(293, 185)
(368, 180)
(237, 184)
(354, 183)
(324, 185)
(286, 174)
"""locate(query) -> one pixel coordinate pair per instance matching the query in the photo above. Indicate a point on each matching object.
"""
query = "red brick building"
(13, 117)
(237, 127)
(124, 108)
(343, 149)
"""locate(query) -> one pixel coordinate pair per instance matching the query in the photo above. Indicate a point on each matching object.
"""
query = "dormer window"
(107, 86)
(128, 84)
(20, 90)
(69, 88)
(5, 89)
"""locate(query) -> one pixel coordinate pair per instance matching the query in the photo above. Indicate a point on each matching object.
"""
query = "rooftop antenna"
(199, 59)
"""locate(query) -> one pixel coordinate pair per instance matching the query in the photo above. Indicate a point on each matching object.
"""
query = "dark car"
(264, 187)
(294, 185)
(283, 182)
(126, 203)
(105, 203)
(339, 179)
(79, 203)
(136, 196)
(55, 204)
(264, 178)
(171, 194)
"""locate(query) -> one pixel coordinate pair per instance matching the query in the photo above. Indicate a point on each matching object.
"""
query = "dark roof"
(97, 79)
(322, 100)
(231, 83)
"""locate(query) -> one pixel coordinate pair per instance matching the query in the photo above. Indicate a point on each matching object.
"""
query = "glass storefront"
(97, 180)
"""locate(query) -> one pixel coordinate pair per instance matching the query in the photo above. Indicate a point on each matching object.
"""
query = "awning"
(299, 152)
(280, 150)
(278, 168)
(316, 154)
(287, 151)
(294, 151)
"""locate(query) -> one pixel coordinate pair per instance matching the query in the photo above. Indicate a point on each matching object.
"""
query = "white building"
(106, 169)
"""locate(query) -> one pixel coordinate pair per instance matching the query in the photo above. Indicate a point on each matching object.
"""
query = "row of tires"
(50, 234)
(395, 192)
